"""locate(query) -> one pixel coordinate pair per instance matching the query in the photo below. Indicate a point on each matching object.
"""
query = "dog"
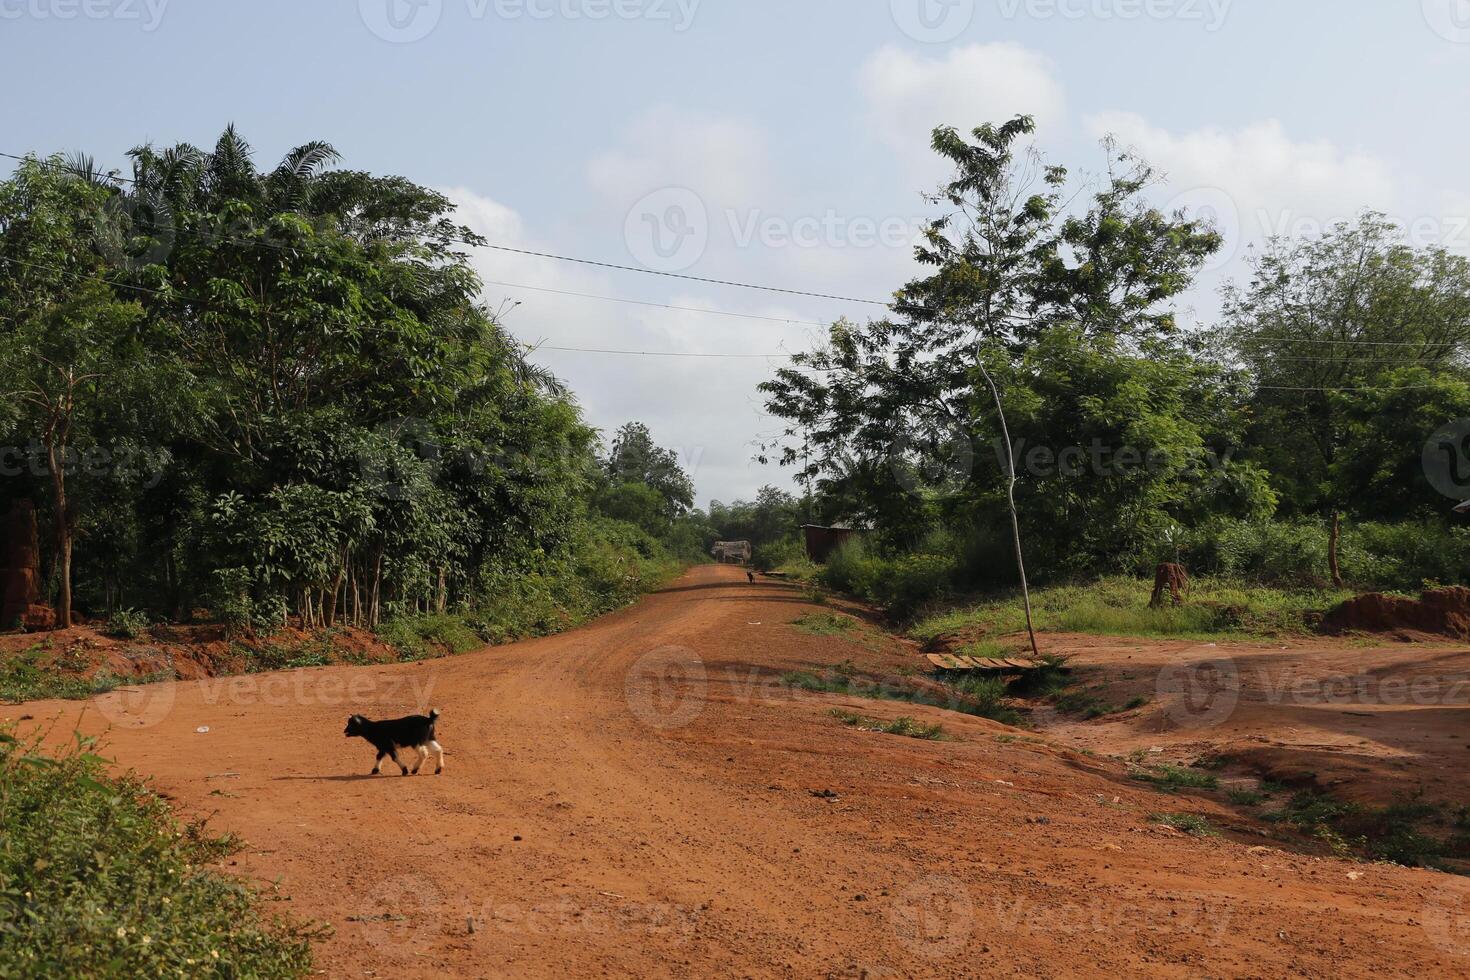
(415, 732)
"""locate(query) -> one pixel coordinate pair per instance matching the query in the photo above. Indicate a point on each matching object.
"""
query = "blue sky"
(788, 138)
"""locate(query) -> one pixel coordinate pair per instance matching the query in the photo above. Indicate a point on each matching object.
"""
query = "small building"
(822, 541)
(732, 552)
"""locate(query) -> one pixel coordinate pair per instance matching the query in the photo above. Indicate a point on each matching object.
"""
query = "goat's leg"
(438, 757)
(378, 766)
(396, 761)
(423, 753)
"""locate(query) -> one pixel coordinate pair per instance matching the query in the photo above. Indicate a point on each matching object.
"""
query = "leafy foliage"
(96, 879)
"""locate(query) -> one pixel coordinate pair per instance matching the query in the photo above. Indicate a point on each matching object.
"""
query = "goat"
(415, 732)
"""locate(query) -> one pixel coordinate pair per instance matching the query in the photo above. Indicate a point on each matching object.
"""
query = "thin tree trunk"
(54, 454)
(374, 604)
(1332, 543)
(1005, 432)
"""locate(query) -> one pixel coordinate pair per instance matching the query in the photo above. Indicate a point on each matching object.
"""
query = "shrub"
(902, 586)
(127, 624)
(97, 879)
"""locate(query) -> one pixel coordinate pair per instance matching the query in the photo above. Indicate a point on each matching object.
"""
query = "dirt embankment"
(1439, 613)
(644, 796)
(185, 652)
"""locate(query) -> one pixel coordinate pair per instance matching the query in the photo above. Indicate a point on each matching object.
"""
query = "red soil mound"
(1442, 612)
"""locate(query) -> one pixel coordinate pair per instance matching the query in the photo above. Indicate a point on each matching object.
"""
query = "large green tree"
(1067, 295)
(1332, 330)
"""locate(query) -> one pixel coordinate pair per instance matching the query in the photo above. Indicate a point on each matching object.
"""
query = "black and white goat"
(415, 732)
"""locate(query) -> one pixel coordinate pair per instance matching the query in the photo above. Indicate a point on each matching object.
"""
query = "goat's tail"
(434, 715)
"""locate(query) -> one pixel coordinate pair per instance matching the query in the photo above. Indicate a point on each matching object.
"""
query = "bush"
(902, 586)
(1402, 556)
(97, 879)
(126, 624)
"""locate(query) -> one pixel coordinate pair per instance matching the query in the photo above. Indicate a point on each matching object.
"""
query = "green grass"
(990, 650)
(426, 637)
(980, 697)
(907, 727)
(98, 880)
(1394, 833)
(1171, 778)
(1246, 797)
(1190, 823)
(825, 624)
(1118, 606)
(22, 678)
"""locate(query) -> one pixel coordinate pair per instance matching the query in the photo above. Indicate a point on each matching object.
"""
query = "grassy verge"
(1119, 607)
(97, 879)
(24, 678)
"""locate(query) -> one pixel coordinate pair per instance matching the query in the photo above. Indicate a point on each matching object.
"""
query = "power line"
(661, 306)
(678, 275)
(596, 263)
(647, 353)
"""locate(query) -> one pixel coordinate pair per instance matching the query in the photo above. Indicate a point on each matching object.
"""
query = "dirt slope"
(637, 798)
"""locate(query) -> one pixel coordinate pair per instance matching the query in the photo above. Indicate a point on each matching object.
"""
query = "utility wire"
(660, 306)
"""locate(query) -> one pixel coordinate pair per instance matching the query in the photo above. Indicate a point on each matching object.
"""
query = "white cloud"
(723, 160)
(908, 95)
(1274, 184)
(706, 409)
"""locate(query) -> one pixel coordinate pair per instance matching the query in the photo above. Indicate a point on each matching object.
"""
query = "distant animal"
(751, 576)
(415, 732)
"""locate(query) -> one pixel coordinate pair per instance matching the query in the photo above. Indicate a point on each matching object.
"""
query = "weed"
(1171, 778)
(1245, 797)
(1190, 823)
(825, 624)
(907, 727)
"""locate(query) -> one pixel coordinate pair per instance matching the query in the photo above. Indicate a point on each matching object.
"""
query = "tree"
(1326, 320)
(635, 458)
(893, 418)
(67, 337)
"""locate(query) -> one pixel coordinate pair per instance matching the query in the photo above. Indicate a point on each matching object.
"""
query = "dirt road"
(642, 797)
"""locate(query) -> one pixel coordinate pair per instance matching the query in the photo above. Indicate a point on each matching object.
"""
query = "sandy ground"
(642, 797)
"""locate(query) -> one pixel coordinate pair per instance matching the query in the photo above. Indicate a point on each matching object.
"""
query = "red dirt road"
(638, 798)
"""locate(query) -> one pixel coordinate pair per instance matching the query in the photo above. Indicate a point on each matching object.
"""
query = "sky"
(781, 143)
